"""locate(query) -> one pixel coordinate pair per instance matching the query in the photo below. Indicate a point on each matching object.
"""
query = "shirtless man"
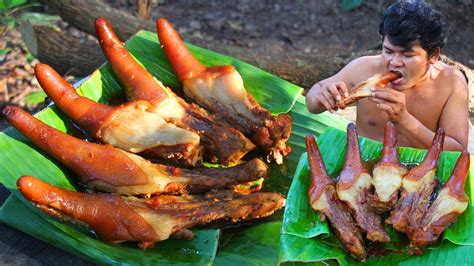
(430, 94)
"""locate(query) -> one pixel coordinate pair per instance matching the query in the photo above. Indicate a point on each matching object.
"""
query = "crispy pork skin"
(417, 186)
(118, 219)
(451, 202)
(220, 90)
(323, 198)
(221, 143)
(362, 90)
(387, 174)
(132, 127)
(104, 168)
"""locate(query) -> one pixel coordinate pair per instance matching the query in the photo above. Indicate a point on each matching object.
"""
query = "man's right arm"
(324, 94)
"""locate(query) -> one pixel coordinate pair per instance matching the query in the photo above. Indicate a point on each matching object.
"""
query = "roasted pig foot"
(417, 186)
(452, 200)
(323, 198)
(118, 219)
(353, 188)
(104, 168)
(132, 127)
(388, 174)
(223, 144)
(362, 90)
(220, 90)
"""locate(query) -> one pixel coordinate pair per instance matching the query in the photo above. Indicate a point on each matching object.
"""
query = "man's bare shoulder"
(449, 77)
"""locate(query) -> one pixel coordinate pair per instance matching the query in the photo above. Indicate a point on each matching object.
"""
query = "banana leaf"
(18, 156)
(306, 239)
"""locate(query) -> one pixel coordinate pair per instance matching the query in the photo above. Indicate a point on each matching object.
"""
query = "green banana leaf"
(19, 157)
(306, 239)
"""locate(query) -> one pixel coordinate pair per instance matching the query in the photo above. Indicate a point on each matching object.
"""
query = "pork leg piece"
(118, 219)
(132, 127)
(354, 186)
(362, 90)
(223, 144)
(451, 202)
(104, 168)
(388, 173)
(323, 198)
(220, 90)
(417, 186)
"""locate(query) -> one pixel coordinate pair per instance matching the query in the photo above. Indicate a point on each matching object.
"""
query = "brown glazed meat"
(451, 201)
(323, 198)
(222, 143)
(354, 187)
(417, 186)
(362, 90)
(118, 219)
(132, 127)
(104, 168)
(387, 174)
(220, 90)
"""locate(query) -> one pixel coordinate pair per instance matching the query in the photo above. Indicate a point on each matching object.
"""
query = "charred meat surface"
(387, 174)
(220, 90)
(104, 168)
(417, 186)
(362, 90)
(451, 202)
(323, 198)
(222, 143)
(119, 219)
(354, 187)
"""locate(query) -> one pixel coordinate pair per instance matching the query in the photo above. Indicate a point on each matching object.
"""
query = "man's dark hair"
(406, 22)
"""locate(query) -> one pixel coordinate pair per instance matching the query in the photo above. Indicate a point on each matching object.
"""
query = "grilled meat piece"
(417, 186)
(220, 90)
(323, 198)
(387, 174)
(104, 168)
(222, 143)
(451, 202)
(354, 186)
(132, 127)
(362, 90)
(118, 219)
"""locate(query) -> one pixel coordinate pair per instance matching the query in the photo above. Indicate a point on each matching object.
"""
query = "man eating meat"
(425, 95)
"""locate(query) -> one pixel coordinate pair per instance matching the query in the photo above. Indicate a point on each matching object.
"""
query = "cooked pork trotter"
(362, 90)
(220, 90)
(223, 144)
(132, 127)
(452, 200)
(354, 186)
(104, 168)
(417, 186)
(323, 198)
(388, 173)
(118, 219)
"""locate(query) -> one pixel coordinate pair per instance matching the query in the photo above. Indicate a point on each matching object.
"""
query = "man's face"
(411, 63)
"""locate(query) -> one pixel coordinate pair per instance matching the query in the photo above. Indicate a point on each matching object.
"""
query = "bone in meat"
(118, 219)
(362, 90)
(451, 202)
(417, 186)
(323, 198)
(354, 186)
(387, 174)
(222, 144)
(104, 168)
(220, 90)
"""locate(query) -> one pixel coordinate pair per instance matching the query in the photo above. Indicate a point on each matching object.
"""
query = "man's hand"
(325, 95)
(392, 102)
